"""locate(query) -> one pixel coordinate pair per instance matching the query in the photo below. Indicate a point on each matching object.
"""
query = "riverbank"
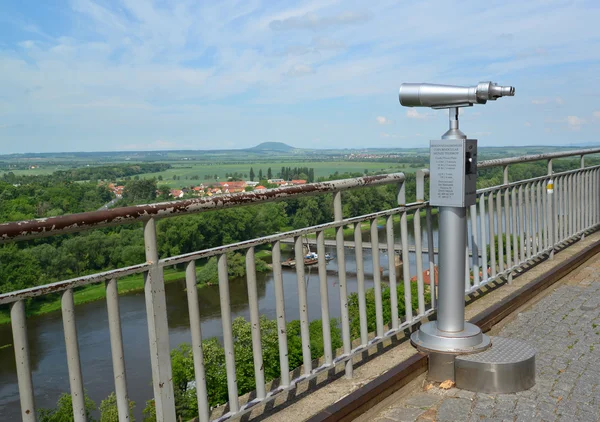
(135, 283)
(126, 285)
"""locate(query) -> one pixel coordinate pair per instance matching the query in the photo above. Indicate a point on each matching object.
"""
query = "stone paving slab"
(564, 327)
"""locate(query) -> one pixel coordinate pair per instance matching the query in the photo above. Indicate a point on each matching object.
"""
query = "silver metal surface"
(303, 305)
(429, 338)
(232, 388)
(445, 96)
(196, 332)
(158, 329)
(440, 367)
(389, 231)
(360, 280)
(506, 367)
(377, 278)
(325, 319)
(284, 365)
(73, 362)
(21, 347)
(451, 292)
(341, 262)
(116, 347)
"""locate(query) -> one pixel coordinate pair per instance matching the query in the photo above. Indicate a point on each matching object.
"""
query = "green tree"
(109, 411)
(138, 191)
(269, 173)
(64, 410)
(251, 174)
(260, 174)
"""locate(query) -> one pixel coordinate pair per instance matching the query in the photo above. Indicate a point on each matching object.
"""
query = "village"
(218, 188)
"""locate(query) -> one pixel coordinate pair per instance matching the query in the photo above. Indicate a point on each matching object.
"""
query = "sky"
(104, 75)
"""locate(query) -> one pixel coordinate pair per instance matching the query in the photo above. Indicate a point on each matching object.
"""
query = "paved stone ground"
(564, 327)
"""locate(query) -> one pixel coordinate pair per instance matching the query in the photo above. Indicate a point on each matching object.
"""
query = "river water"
(46, 340)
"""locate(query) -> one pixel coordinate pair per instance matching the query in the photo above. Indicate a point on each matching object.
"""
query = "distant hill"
(273, 146)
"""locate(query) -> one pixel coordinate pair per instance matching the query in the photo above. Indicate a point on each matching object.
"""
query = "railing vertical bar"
(360, 278)
(589, 199)
(21, 345)
(571, 207)
(324, 292)
(303, 306)
(116, 347)
(482, 220)
(419, 262)
(259, 372)
(431, 250)
(559, 209)
(549, 213)
(500, 230)
(389, 228)
(540, 217)
(232, 388)
(158, 328)
(405, 256)
(578, 203)
(545, 214)
(522, 219)
(475, 244)
(73, 362)
(534, 220)
(509, 229)
(377, 277)
(492, 234)
(196, 331)
(515, 227)
(556, 210)
(563, 207)
(528, 221)
(341, 262)
(284, 365)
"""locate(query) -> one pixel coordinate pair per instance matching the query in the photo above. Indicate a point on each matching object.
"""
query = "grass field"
(322, 169)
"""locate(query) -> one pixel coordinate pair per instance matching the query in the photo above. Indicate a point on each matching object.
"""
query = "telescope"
(447, 96)
(452, 188)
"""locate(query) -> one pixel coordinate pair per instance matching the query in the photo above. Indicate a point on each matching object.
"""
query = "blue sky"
(98, 75)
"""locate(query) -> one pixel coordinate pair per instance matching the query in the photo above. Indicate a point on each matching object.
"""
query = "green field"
(184, 171)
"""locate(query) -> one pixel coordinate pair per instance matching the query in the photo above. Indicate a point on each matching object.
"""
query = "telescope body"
(446, 96)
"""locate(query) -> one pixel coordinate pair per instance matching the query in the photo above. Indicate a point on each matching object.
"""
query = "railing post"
(550, 167)
(505, 173)
(116, 346)
(196, 332)
(341, 261)
(21, 346)
(421, 184)
(158, 329)
(73, 361)
(550, 216)
(405, 256)
(582, 161)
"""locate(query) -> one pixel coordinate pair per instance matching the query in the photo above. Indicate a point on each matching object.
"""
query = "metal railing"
(518, 222)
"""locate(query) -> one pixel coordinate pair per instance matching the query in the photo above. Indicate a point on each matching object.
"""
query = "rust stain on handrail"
(42, 227)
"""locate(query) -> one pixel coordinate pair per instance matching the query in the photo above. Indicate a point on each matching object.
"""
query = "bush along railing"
(511, 225)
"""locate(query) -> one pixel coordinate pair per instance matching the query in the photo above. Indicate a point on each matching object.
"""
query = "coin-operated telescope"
(453, 178)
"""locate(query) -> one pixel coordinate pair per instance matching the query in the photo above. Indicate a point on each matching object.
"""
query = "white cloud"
(597, 114)
(575, 122)
(315, 22)
(381, 120)
(300, 70)
(412, 113)
(527, 124)
(545, 100)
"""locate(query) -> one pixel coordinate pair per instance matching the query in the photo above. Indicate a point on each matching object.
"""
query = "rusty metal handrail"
(43, 227)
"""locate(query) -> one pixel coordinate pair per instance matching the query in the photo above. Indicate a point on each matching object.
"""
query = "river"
(46, 340)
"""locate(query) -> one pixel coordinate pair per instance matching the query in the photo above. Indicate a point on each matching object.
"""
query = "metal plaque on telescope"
(453, 172)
